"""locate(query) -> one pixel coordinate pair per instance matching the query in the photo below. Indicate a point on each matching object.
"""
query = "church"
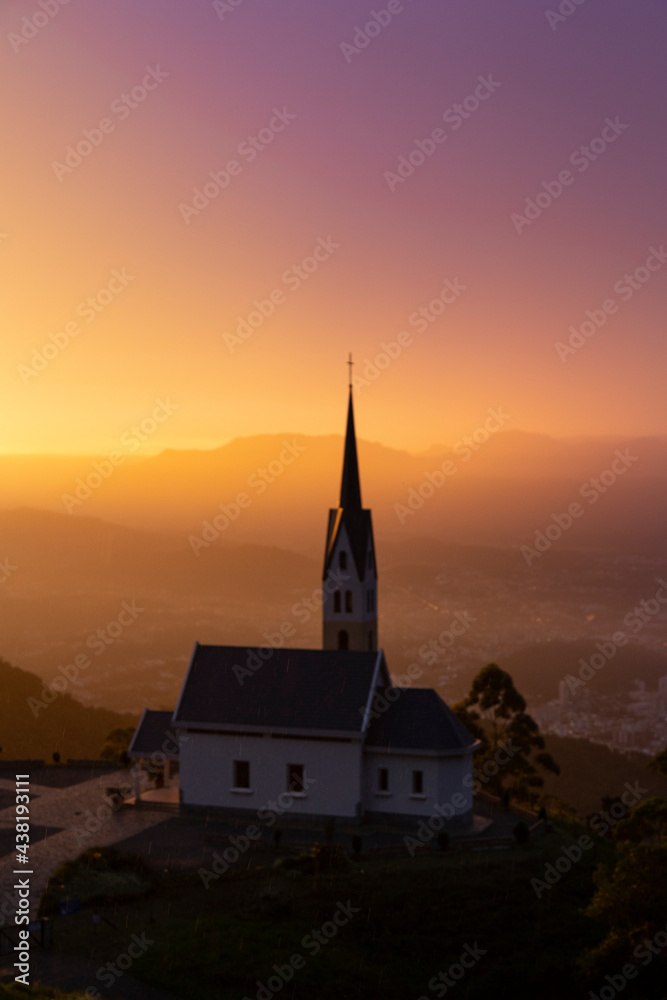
(321, 731)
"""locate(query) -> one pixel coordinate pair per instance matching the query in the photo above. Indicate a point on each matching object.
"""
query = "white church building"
(322, 730)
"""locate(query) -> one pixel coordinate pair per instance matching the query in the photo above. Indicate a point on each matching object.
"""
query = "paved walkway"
(66, 810)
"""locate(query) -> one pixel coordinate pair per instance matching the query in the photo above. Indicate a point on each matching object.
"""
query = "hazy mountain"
(500, 494)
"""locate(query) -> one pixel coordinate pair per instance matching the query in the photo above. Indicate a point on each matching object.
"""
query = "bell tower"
(349, 609)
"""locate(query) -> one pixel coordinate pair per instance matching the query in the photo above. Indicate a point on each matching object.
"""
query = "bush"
(444, 840)
(100, 874)
(521, 832)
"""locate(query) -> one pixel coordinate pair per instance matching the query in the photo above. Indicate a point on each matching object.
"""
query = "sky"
(351, 193)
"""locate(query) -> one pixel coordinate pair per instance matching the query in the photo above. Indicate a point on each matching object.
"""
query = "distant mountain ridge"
(502, 490)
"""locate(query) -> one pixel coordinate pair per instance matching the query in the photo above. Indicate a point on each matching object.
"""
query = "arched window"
(348, 601)
(336, 600)
(343, 639)
(342, 560)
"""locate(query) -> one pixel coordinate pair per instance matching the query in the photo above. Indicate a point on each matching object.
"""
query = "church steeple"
(349, 609)
(350, 486)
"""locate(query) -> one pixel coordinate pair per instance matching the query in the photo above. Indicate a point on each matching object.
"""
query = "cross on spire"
(350, 362)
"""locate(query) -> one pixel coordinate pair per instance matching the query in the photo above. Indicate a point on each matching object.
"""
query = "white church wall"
(455, 782)
(443, 784)
(333, 767)
(400, 797)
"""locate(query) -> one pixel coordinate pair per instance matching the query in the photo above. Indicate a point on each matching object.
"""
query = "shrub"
(444, 840)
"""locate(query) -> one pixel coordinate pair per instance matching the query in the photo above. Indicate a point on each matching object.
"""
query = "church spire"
(349, 606)
(350, 486)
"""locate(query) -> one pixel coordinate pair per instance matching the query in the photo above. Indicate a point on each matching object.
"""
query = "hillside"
(65, 725)
(590, 771)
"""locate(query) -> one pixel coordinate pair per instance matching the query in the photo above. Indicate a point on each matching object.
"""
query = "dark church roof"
(418, 720)
(153, 734)
(292, 689)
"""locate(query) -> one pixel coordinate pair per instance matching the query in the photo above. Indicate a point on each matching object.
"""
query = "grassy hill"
(589, 771)
(64, 725)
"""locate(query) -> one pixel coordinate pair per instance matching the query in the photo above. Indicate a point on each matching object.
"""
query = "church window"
(241, 774)
(342, 560)
(348, 600)
(337, 600)
(295, 779)
(383, 779)
(343, 639)
(417, 782)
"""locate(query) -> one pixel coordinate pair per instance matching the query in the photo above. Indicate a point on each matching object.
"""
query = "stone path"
(69, 810)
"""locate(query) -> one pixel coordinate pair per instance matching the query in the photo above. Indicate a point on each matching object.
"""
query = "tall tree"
(512, 746)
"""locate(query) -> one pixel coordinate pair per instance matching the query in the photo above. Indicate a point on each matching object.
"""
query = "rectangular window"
(241, 774)
(417, 782)
(295, 782)
(383, 779)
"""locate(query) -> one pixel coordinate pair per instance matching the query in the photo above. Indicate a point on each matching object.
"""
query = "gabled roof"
(297, 690)
(419, 720)
(154, 734)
